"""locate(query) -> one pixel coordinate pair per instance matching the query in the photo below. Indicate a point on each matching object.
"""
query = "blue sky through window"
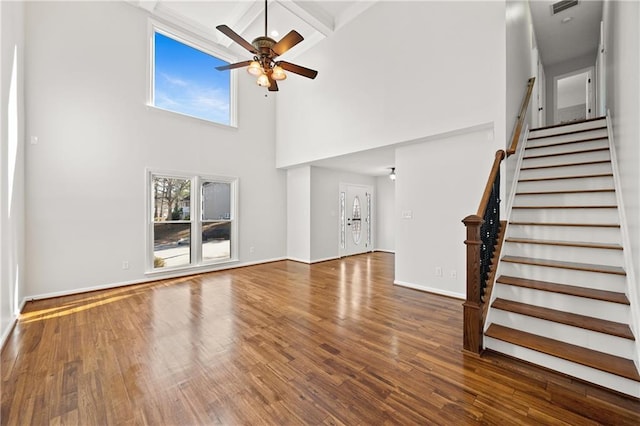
(187, 82)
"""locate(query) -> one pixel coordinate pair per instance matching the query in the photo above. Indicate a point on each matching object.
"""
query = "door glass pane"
(216, 241)
(171, 244)
(356, 219)
(216, 201)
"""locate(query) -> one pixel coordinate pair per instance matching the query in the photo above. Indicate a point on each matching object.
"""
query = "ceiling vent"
(562, 5)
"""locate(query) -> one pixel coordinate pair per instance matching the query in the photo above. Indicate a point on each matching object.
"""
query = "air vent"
(562, 5)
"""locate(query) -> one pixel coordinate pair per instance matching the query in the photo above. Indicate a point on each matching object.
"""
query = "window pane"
(186, 81)
(171, 244)
(171, 198)
(216, 241)
(216, 201)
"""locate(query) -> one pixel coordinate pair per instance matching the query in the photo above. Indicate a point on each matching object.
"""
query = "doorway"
(355, 227)
(573, 93)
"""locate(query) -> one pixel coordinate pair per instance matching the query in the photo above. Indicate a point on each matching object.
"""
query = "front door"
(355, 219)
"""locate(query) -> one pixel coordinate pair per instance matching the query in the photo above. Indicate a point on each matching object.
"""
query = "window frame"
(199, 43)
(195, 218)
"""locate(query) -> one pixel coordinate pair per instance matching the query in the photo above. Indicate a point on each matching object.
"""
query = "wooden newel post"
(473, 305)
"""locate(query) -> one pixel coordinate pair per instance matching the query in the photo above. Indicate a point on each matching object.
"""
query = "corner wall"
(439, 182)
(86, 91)
(385, 218)
(12, 164)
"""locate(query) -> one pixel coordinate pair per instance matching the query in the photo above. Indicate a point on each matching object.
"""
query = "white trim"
(192, 271)
(12, 324)
(297, 259)
(433, 290)
(385, 251)
(326, 259)
(626, 244)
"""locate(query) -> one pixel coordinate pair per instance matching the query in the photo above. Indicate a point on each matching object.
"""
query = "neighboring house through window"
(192, 220)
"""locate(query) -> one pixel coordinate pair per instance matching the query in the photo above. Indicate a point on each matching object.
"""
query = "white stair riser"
(574, 335)
(566, 199)
(594, 256)
(573, 158)
(596, 280)
(569, 128)
(567, 184)
(591, 216)
(571, 147)
(563, 302)
(581, 170)
(566, 233)
(589, 374)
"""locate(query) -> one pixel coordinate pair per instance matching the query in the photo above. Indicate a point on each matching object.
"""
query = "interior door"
(355, 219)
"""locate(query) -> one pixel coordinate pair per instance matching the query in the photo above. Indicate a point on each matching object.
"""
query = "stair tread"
(565, 133)
(567, 318)
(604, 295)
(567, 207)
(599, 360)
(597, 175)
(554, 126)
(566, 143)
(566, 191)
(558, 154)
(606, 269)
(565, 243)
(594, 225)
(553, 166)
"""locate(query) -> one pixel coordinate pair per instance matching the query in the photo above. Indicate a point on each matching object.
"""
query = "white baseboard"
(385, 251)
(148, 279)
(297, 259)
(6, 333)
(430, 290)
(326, 259)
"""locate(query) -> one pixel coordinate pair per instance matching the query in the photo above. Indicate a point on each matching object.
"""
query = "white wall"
(402, 71)
(86, 79)
(622, 53)
(299, 214)
(519, 41)
(385, 201)
(440, 181)
(12, 164)
(325, 214)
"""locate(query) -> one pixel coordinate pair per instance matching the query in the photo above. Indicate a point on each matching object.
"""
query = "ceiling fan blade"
(235, 37)
(232, 66)
(274, 84)
(287, 42)
(297, 69)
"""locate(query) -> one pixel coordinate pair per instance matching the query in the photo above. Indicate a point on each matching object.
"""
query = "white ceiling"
(317, 19)
(558, 41)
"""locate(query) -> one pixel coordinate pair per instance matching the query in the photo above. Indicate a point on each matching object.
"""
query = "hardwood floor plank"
(283, 343)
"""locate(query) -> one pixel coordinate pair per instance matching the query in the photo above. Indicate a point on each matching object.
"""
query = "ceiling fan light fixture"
(278, 73)
(263, 81)
(255, 68)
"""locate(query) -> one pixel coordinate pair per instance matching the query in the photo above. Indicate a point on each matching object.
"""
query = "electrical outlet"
(438, 271)
(125, 264)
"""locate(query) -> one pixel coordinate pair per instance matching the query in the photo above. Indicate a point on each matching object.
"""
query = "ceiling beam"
(316, 18)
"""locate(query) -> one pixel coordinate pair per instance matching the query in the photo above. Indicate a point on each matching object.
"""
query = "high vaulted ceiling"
(314, 20)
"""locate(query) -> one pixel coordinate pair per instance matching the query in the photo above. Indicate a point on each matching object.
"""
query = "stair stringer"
(633, 292)
(593, 375)
(506, 213)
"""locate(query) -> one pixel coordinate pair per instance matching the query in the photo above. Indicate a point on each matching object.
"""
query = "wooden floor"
(280, 343)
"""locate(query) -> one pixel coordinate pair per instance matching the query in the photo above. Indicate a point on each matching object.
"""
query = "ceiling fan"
(265, 51)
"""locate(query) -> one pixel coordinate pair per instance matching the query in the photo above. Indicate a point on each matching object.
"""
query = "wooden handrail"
(517, 130)
(495, 169)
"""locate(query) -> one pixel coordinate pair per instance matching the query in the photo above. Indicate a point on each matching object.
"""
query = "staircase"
(559, 299)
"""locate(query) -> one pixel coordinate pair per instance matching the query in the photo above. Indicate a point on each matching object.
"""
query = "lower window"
(192, 220)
